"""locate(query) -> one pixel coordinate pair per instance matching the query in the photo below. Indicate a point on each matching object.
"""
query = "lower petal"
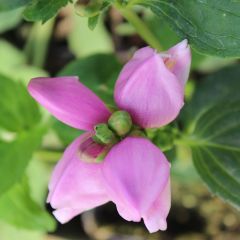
(63, 215)
(75, 186)
(155, 218)
(135, 173)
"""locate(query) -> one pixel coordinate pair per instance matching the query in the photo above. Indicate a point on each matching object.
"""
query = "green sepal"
(103, 134)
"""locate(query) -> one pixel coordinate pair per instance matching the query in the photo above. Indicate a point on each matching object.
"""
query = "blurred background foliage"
(205, 137)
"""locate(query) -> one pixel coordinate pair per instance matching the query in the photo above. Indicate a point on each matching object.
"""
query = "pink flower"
(134, 173)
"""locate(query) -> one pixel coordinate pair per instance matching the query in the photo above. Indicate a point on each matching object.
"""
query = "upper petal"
(75, 186)
(148, 90)
(179, 61)
(135, 173)
(69, 101)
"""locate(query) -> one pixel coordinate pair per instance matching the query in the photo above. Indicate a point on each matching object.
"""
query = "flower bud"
(151, 85)
(103, 134)
(120, 122)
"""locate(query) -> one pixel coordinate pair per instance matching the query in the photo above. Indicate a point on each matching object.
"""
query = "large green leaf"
(19, 209)
(16, 155)
(43, 10)
(167, 37)
(212, 122)
(214, 88)
(211, 26)
(18, 111)
(98, 72)
(38, 173)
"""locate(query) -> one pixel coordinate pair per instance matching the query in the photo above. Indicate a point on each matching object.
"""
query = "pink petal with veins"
(69, 101)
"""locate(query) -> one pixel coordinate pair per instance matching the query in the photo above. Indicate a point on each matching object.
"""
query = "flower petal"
(75, 186)
(180, 61)
(135, 173)
(148, 90)
(155, 218)
(69, 101)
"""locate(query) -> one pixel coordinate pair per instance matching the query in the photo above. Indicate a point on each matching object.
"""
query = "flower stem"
(140, 26)
(37, 43)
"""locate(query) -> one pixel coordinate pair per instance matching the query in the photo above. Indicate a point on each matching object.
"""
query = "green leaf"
(212, 123)
(43, 10)
(65, 133)
(19, 209)
(26, 72)
(92, 8)
(167, 37)
(6, 5)
(11, 232)
(15, 156)
(39, 173)
(92, 22)
(98, 72)
(15, 59)
(18, 110)
(211, 26)
(214, 88)
(10, 19)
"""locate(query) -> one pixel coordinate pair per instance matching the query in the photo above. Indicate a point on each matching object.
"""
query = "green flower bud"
(103, 134)
(120, 122)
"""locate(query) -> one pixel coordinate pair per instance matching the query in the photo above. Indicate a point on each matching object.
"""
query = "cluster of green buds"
(119, 125)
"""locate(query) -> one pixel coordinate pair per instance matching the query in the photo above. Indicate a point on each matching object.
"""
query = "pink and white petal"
(75, 186)
(69, 101)
(70, 153)
(63, 215)
(148, 90)
(135, 172)
(180, 61)
(155, 218)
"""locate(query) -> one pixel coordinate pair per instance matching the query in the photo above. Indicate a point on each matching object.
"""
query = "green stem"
(184, 142)
(140, 26)
(38, 41)
(190, 141)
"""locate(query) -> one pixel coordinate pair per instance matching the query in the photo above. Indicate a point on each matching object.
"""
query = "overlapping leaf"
(211, 26)
(15, 156)
(19, 209)
(18, 110)
(212, 121)
(20, 126)
(43, 10)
